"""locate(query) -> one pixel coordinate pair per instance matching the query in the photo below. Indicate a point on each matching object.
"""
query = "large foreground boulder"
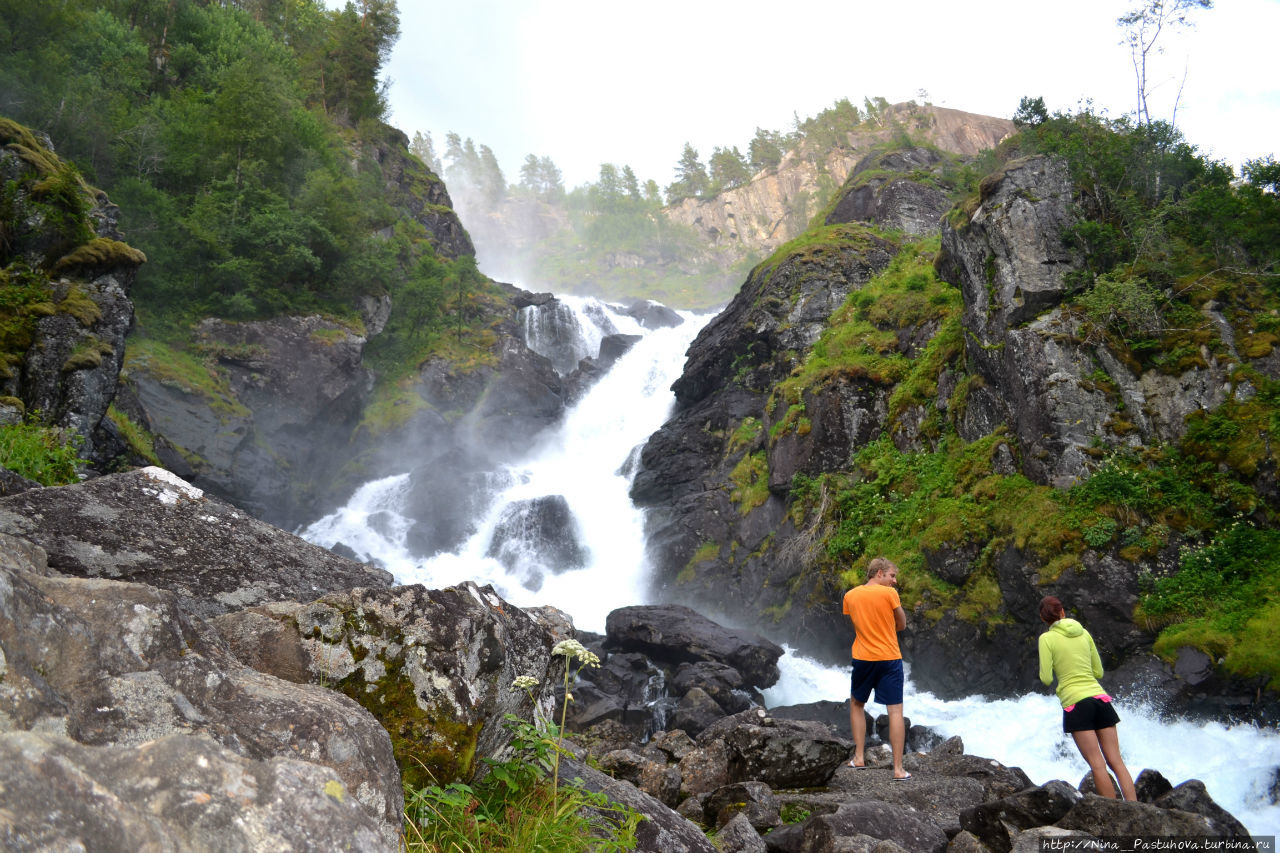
(112, 664)
(176, 793)
(151, 527)
(435, 667)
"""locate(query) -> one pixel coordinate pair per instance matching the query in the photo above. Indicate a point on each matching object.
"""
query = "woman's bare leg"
(1109, 743)
(1087, 743)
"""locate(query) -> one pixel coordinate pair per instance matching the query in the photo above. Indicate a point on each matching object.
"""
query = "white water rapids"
(586, 461)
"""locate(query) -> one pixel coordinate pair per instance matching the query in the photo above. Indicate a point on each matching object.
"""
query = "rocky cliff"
(815, 412)
(67, 274)
(778, 203)
(274, 415)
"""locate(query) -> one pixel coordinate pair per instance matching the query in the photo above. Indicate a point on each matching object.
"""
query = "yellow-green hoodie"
(1067, 650)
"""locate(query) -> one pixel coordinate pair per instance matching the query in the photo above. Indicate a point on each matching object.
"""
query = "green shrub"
(39, 453)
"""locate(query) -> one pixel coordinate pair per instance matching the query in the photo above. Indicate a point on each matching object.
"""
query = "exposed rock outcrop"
(128, 721)
(176, 792)
(1019, 368)
(64, 234)
(719, 433)
(151, 527)
(435, 667)
(102, 668)
(274, 428)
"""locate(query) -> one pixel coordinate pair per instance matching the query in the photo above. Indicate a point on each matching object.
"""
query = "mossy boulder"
(434, 666)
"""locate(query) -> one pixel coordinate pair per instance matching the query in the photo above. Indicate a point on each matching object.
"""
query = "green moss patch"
(186, 372)
(750, 478)
(100, 253)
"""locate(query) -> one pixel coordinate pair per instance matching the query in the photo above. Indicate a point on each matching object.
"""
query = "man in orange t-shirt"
(877, 616)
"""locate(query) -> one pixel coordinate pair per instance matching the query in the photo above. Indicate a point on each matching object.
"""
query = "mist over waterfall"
(558, 527)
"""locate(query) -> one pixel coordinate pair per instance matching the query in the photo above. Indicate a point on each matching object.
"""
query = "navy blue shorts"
(883, 675)
(1089, 715)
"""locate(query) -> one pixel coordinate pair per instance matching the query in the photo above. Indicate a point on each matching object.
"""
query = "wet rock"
(997, 823)
(540, 532)
(1100, 816)
(674, 634)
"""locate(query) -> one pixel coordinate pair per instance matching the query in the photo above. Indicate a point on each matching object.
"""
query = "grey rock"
(652, 777)
(178, 792)
(696, 711)
(674, 634)
(538, 533)
(878, 820)
(664, 830)
(781, 753)
(753, 800)
(1192, 796)
(996, 823)
(11, 483)
(739, 836)
(109, 663)
(436, 667)
(150, 527)
(1100, 816)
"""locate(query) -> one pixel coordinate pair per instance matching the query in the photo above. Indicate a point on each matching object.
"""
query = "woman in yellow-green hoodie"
(1067, 652)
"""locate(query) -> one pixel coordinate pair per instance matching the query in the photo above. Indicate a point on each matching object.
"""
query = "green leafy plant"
(519, 804)
(40, 453)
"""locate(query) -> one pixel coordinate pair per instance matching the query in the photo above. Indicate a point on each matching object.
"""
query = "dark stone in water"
(540, 530)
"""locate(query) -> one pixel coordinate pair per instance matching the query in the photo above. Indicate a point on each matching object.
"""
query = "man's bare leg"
(897, 739)
(858, 723)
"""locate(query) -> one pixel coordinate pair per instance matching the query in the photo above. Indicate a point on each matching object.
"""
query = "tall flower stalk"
(571, 650)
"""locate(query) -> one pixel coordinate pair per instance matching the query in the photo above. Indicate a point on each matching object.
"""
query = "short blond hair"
(878, 565)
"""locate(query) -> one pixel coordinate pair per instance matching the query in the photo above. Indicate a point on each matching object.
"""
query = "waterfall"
(576, 480)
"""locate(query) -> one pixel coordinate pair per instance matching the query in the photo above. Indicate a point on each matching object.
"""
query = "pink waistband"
(1101, 697)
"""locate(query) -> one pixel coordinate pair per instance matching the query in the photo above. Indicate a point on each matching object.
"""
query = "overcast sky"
(591, 81)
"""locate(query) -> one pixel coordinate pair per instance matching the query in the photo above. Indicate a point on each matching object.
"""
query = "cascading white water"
(585, 461)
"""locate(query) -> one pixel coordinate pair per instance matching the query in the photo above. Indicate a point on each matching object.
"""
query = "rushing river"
(588, 461)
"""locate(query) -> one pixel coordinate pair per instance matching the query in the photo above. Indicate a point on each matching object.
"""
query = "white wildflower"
(524, 682)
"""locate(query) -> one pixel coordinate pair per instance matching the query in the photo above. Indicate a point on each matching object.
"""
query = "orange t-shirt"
(871, 607)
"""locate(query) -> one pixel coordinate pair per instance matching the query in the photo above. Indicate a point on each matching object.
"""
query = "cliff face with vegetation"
(65, 276)
(779, 203)
(301, 263)
(1040, 398)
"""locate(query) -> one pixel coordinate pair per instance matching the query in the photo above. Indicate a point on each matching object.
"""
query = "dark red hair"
(1051, 609)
